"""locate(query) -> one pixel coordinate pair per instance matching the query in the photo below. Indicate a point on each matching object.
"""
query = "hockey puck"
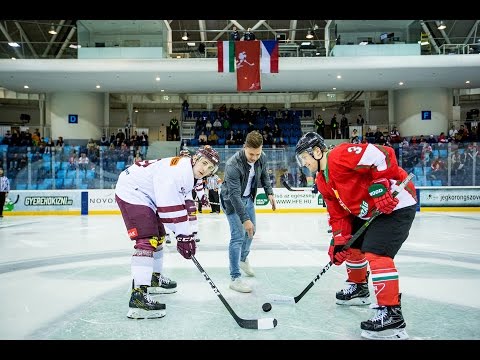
(267, 307)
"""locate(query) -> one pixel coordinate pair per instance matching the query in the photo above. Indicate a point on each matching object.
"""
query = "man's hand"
(186, 245)
(272, 202)
(249, 228)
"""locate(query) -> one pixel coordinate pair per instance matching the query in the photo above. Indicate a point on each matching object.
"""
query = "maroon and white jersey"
(162, 185)
(351, 169)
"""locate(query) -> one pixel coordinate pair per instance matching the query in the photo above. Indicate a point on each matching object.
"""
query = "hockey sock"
(384, 278)
(356, 266)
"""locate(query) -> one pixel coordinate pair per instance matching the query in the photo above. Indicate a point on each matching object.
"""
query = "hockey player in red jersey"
(354, 180)
(152, 193)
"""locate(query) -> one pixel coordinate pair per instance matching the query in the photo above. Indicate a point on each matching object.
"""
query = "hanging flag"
(226, 56)
(247, 58)
(269, 59)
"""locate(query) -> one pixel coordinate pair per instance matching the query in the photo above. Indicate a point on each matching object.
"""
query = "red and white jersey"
(351, 169)
(162, 185)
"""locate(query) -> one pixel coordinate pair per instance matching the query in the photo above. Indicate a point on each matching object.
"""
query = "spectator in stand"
(144, 145)
(334, 126)
(234, 35)
(431, 140)
(208, 126)
(202, 138)
(344, 127)
(104, 141)
(320, 126)
(230, 139)
(217, 125)
(120, 136)
(395, 136)
(83, 162)
(263, 111)
(281, 142)
(185, 106)
(239, 138)
(174, 129)
(249, 35)
(442, 139)
(226, 124)
(360, 120)
(212, 138)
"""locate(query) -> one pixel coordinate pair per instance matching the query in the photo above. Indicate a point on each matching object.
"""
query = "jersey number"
(356, 149)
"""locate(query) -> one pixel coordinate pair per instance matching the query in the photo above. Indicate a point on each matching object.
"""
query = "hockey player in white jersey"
(152, 193)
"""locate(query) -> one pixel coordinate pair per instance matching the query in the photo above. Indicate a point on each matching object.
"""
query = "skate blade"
(354, 302)
(390, 334)
(160, 290)
(145, 314)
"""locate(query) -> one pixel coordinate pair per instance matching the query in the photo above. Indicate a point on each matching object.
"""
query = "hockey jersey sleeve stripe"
(172, 208)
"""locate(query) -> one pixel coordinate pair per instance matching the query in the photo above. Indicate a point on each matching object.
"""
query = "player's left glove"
(336, 252)
(380, 191)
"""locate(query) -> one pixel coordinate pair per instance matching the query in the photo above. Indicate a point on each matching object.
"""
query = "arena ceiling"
(42, 74)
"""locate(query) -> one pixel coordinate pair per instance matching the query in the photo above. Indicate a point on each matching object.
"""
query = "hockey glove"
(186, 245)
(380, 191)
(336, 252)
(204, 200)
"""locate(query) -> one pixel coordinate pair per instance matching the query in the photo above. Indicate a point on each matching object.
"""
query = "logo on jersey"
(174, 161)
(183, 191)
(132, 233)
(363, 209)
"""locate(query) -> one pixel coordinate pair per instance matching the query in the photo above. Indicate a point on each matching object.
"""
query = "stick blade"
(281, 299)
(260, 324)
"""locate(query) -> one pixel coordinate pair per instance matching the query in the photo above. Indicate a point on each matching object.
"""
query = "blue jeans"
(239, 247)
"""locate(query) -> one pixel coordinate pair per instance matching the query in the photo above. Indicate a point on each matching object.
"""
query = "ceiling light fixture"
(52, 30)
(185, 36)
(309, 34)
(442, 25)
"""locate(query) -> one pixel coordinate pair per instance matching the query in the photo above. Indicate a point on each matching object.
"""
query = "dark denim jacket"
(235, 182)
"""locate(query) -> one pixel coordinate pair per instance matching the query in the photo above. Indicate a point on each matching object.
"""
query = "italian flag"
(226, 56)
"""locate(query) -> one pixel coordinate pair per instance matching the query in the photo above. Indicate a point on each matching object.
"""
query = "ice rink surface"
(68, 277)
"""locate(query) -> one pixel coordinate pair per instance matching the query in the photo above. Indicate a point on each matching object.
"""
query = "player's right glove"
(380, 191)
(186, 245)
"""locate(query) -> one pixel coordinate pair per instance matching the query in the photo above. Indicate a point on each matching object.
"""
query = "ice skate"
(162, 285)
(353, 295)
(142, 306)
(387, 324)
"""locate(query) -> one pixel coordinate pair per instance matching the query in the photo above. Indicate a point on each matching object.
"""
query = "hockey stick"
(260, 324)
(289, 188)
(213, 203)
(283, 299)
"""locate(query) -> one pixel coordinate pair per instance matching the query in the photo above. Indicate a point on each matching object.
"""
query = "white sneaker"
(237, 284)
(245, 266)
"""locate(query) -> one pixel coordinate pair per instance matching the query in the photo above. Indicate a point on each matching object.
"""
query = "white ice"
(68, 277)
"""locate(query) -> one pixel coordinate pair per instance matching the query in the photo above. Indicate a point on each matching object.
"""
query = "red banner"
(247, 62)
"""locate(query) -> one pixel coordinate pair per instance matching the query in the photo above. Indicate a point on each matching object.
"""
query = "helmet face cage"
(210, 154)
(306, 144)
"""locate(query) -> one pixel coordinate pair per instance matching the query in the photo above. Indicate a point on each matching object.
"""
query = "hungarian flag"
(247, 58)
(226, 56)
(269, 59)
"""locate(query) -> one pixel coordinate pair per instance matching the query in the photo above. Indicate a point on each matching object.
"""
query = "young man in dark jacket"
(237, 197)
